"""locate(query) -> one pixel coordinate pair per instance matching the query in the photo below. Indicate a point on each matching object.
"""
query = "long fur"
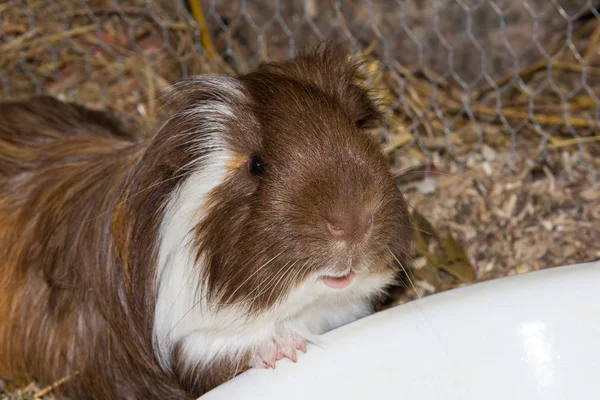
(159, 268)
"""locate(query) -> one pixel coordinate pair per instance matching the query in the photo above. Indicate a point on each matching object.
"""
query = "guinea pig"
(260, 214)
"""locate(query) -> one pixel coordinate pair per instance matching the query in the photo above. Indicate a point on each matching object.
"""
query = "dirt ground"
(492, 106)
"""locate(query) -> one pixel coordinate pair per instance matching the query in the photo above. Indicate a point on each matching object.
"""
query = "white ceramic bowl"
(531, 336)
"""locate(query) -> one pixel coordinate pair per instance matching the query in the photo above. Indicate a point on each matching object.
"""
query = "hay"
(507, 170)
(119, 61)
(517, 201)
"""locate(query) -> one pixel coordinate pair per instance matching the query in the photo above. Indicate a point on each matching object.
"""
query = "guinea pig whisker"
(270, 283)
(404, 172)
(405, 272)
(274, 286)
(251, 275)
(300, 271)
(240, 270)
(425, 172)
(413, 228)
(288, 265)
(267, 283)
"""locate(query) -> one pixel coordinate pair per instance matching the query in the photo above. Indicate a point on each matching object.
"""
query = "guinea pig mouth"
(339, 282)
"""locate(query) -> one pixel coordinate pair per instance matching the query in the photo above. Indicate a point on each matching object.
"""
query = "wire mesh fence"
(525, 66)
(498, 99)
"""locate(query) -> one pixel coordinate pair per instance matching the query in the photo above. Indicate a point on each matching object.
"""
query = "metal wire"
(487, 51)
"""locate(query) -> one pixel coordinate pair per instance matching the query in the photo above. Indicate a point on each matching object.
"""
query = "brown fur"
(67, 303)
(309, 113)
(199, 379)
(82, 198)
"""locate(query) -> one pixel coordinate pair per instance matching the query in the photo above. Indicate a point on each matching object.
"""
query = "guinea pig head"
(307, 195)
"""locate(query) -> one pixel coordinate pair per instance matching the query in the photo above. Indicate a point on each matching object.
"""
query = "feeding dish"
(530, 336)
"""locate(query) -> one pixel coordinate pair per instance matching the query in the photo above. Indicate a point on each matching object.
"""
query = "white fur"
(184, 316)
(176, 277)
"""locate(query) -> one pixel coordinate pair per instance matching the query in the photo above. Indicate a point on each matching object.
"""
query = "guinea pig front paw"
(284, 345)
(288, 344)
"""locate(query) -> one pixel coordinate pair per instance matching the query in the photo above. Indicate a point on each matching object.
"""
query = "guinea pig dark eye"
(256, 166)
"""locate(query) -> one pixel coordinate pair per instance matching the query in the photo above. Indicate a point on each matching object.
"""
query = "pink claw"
(292, 356)
(267, 354)
(301, 346)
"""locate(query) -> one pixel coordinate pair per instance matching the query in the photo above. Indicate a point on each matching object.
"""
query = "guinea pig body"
(257, 217)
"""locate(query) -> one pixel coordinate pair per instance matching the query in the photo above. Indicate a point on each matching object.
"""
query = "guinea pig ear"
(332, 69)
(362, 107)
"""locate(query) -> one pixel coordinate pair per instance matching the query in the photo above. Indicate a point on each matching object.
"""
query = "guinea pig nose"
(337, 229)
(369, 223)
(347, 228)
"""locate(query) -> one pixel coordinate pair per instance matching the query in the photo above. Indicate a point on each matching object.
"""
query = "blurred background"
(492, 105)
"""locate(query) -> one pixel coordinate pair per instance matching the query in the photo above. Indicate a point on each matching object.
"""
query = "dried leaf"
(455, 261)
(450, 256)
(423, 233)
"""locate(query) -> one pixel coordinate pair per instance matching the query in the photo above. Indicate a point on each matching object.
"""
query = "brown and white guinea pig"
(259, 215)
